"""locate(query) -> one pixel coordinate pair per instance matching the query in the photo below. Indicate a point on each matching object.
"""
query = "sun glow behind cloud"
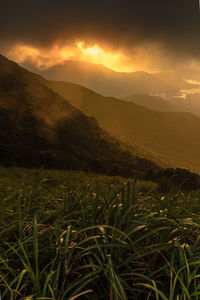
(46, 58)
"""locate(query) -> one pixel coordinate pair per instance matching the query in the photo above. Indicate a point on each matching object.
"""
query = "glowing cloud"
(113, 60)
(45, 58)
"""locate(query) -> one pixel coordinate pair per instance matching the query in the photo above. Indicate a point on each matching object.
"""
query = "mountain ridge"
(173, 137)
(111, 83)
(41, 128)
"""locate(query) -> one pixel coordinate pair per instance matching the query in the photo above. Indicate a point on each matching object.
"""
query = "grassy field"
(71, 235)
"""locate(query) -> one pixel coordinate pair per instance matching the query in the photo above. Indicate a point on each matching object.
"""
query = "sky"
(126, 35)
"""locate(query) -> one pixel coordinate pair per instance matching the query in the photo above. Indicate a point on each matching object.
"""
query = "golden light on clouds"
(113, 60)
(45, 58)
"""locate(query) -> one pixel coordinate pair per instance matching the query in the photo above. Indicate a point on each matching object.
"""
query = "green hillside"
(74, 235)
(172, 137)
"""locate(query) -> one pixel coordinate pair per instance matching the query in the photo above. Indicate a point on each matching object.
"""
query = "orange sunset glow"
(46, 58)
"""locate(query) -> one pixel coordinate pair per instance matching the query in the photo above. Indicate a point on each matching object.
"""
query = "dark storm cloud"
(173, 24)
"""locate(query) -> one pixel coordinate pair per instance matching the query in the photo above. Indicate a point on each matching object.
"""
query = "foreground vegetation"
(69, 235)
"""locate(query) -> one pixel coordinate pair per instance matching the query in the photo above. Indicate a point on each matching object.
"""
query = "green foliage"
(69, 235)
(174, 179)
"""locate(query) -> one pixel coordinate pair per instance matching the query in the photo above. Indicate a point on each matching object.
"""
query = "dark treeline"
(77, 143)
(172, 179)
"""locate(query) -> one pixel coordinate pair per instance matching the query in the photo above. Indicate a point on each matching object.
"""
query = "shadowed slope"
(39, 128)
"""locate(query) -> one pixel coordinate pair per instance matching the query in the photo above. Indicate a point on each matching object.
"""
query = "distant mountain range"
(156, 103)
(110, 83)
(175, 104)
(171, 139)
(39, 128)
(188, 74)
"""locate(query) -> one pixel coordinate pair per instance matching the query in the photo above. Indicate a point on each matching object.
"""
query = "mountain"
(110, 83)
(39, 128)
(157, 103)
(174, 104)
(187, 74)
(173, 138)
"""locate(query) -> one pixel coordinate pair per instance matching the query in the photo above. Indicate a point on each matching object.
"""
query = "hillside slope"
(39, 128)
(175, 104)
(156, 103)
(172, 137)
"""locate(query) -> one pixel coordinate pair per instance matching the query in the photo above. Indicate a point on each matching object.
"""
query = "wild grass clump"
(69, 235)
